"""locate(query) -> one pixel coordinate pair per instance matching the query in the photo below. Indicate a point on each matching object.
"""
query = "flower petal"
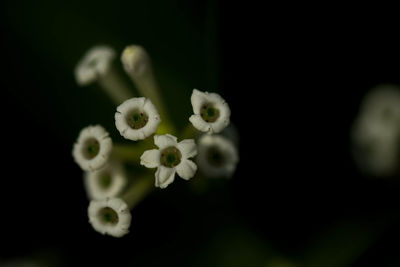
(186, 169)
(164, 176)
(164, 141)
(199, 123)
(150, 158)
(198, 99)
(188, 148)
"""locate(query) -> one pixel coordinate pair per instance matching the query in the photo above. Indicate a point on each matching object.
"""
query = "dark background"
(294, 78)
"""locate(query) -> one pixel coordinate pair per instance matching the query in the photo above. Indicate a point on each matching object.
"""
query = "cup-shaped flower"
(135, 60)
(211, 112)
(95, 63)
(137, 118)
(92, 148)
(169, 158)
(217, 156)
(110, 216)
(108, 181)
(376, 132)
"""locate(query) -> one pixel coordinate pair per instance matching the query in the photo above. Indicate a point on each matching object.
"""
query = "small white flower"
(109, 181)
(135, 60)
(171, 157)
(211, 112)
(92, 149)
(110, 216)
(376, 132)
(217, 156)
(96, 62)
(137, 118)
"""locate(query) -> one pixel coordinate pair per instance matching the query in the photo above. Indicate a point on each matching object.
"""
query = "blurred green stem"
(138, 190)
(114, 87)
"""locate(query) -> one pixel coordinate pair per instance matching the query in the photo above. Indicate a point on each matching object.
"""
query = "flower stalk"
(138, 190)
(114, 87)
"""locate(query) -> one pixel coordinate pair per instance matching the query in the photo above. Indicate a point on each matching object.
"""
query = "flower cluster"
(206, 143)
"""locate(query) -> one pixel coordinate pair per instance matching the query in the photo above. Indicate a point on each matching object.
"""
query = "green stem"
(138, 190)
(128, 153)
(189, 132)
(148, 87)
(114, 87)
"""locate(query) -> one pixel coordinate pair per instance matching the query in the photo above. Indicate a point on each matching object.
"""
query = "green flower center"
(209, 113)
(91, 148)
(137, 119)
(215, 157)
(92, 63)
(104, 180)
(108, 216)
(170, 157)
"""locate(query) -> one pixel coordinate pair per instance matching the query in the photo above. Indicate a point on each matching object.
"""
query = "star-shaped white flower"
(211, 112)
(92, 149)
(137, 118)
(96, 62)
(110, 216)
(169, 158)
(217, 156)
(108, 181)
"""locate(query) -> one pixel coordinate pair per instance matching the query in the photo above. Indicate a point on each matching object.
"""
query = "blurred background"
(294, 79)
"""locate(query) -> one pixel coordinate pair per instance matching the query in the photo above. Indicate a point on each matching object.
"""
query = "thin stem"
(128, 153)
(147, 86)
(114, 86)
(138, 190)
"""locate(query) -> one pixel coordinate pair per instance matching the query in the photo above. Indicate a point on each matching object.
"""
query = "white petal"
(186, 169)
(120, 207)
(131, 104)
(96, 132)
(199, 123)
(86, 72)
(198, 99)
(227, 149)
(164, 176)
(188, 148)
(150, 158)
(152, 125)
(149, 108)
(224, 117)
(164, 141)
(118, 178)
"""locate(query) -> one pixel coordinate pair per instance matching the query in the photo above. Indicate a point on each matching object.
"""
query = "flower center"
(108, 216)
(91, 148)
(170, 157)
(215, 157)
(104, 180)
(137, 119)
(92, 63)
(209, 113)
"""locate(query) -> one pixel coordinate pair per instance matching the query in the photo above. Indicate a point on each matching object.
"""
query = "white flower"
(171, 157)
(376, 132)
(109, 181)
(92, 149)
(137, 118)
(217, 156)
(135, 60)
(96, 62)
(211, 112)
(110, 216)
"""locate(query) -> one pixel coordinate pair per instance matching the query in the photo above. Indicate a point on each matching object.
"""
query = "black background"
(294, 79)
